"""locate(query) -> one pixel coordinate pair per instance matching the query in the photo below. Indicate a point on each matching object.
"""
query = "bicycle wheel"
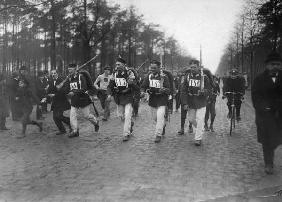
(234, 116)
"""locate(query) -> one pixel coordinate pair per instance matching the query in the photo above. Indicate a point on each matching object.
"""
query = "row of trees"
(258, 31)
(49, 34)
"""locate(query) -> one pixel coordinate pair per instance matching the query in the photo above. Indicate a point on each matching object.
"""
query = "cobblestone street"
(99, 167)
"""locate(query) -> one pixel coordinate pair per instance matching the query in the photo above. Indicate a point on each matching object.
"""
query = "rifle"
(59, 86)
(202, 72)
(138, 68)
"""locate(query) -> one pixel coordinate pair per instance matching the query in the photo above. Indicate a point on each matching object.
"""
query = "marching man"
(122, 87)
(196, 87)
(101, 84)
(78, 87)
(158, 86)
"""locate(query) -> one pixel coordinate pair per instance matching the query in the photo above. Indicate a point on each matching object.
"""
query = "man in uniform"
(79, 93)
(267, 101)
(183, 110)
(101, 84)
(195, 90)
(122, 87)
(158, 86)
(234, 83)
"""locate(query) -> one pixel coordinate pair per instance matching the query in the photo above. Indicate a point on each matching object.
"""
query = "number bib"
(73, 86)
(155, 83)
(121, 82)
(194, 83)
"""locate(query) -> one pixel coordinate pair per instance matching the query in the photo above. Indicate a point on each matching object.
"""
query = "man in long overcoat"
(59, 103)
(267, 101)
(4, 110)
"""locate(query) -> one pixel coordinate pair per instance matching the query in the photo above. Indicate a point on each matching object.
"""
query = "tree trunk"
(53, 37)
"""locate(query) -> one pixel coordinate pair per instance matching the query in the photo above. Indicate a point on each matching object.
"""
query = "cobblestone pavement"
(99, 167)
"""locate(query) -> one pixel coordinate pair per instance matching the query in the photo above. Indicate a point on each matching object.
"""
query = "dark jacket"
(77, 84)
(188, 94)
(267, 94)
(59, 101)
(234, 85)
(4, 108)
(41, 86)
(157, 98)
(122, 90)
(214, 93)
(26, 98)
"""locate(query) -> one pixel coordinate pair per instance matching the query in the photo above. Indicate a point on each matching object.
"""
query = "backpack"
(90, 86)
(137, 77)
(171, 81)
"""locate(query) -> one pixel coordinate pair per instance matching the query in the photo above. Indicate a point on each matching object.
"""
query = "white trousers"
(86, 114)
(158, 115)
(125, 114)
(196, 117)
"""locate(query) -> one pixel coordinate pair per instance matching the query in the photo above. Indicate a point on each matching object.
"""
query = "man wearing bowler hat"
(267, 101)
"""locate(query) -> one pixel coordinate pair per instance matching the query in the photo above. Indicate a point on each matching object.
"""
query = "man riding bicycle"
(234, 83)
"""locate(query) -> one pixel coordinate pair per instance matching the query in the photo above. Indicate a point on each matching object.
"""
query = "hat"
(234, 71)
(273, 56)
(194, 61)
(119, 59)
(72, 65)
(23, 68)
(156, 62)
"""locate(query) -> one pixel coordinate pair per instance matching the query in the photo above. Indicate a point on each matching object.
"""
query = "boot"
(158, 139)
(73, 134)
(181, 132)
(206, 127)
(198, 142)
(96, 125)
(163, 133)
(126, 138)
(190, 128)
(211, 128)
(268, 169)
(131, 127)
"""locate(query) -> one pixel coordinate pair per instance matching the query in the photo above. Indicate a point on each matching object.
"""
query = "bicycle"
(233, 110)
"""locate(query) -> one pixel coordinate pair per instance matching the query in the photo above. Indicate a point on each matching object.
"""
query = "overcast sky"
(193, 23)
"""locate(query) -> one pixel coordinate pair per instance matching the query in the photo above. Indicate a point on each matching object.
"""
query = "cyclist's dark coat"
(267, 94)
(234, 84)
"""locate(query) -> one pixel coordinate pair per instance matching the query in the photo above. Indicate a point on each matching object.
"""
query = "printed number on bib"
(73, 86)
(120, 82)
(155, 83)
(194, 82)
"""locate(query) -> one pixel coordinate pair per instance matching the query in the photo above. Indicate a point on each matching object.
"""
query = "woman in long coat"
(267, 101)
(4, 110)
